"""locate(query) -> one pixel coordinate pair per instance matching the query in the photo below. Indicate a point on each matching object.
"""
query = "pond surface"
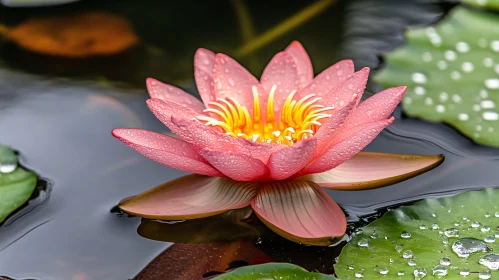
(62, 128)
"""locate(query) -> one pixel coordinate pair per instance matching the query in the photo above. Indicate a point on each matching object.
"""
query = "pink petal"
(190, 197)
(347, 145)
(303, 63)
(170, 93)
(201, 136)
(353, 86)
(165, 150)
(332, 126)
(300, 211)
(204, 60)
(164, 110)
(238, 167)
(287, 161)
(281, 72)
(374, 170)
(377, 107)
(232, 80)
(328, 79)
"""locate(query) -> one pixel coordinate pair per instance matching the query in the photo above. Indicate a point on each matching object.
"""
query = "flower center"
(298, 119)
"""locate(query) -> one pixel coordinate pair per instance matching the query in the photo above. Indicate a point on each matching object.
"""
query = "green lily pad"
(488, 4)
(429, 239)
(16, 183)
(452, 71)
(282, 271)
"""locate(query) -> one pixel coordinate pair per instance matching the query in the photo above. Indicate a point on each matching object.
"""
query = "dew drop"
(467, 66)
(383, 271)
(490, 116)
(419, 273)
(412, 262)
(419, 78)
(363, 242)
(485, 229)
(422, 227)
(445, 261)
(351, 266)
(490, 239)
(494, 45)
(475, 224)
(464, 272)
(484, 274)
(398, 248)
(496, 214)
(488, 62)
(359, 274)
(492, 83)
(450, 55)
(491, 261)
(463, 117)
(405, 234)
(451, 232)
(8, 165)
(466, 246)
(407, 254)
(462, 47)
(435, 226)
(440, 271)
(401, 273)
(374, 235)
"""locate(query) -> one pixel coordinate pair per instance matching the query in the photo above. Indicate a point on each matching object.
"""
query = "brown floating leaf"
(192, 261)
(80, 35)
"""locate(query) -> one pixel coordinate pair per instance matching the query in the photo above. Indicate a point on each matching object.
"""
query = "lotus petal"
(281, 72)
(377, 107)
(190, 197)
(204, 60)
(233, 80)
(349, 144)
(303, 63)
(374, 170)
(300, 211)
(287, 161)
(170, 93)
(201, 136)
(352, 87)
(166, 150)
(328, 79)
(238, 167)
(164, 110)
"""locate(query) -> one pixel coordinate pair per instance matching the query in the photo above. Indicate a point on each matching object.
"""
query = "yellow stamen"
(299, 119)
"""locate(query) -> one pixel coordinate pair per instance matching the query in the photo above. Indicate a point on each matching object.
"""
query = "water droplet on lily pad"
(491, 261)
(484, 274)
(407, 254)
(451, 232)
(466, 246)
(405, 234)
(363, 242)
(445, 261)
(440, 271)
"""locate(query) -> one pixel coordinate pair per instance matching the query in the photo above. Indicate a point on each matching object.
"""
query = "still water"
(62, 129)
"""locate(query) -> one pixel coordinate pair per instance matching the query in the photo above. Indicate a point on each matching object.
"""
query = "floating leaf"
(284, 271)
(194, 261)
(449, 237)
(488, 4)
(78, 35)
(16, 183)
(452, 71)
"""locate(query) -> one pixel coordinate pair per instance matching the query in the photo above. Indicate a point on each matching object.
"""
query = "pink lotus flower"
(270, 144)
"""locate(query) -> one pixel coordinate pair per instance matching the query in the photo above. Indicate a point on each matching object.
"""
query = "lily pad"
(452, 71)
(284, 271)
(448, 237)
(16, 183)
(488, 4)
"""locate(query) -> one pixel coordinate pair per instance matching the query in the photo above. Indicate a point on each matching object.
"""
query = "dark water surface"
(62, 129)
